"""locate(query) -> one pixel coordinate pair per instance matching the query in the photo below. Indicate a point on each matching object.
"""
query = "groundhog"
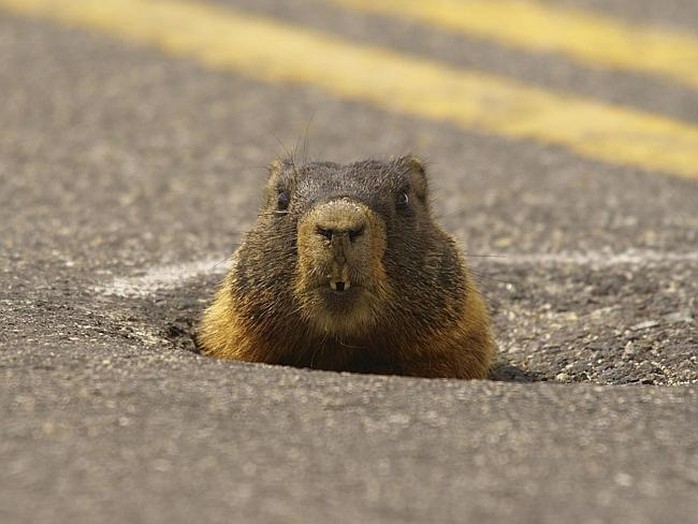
(346, 270)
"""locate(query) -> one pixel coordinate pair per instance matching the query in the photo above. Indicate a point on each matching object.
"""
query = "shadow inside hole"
(175, 313)
(507, 372)
(181, 332)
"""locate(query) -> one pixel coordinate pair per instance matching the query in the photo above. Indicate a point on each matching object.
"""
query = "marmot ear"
(275, 172)
(275, 168)
(415, 164)
(418, 174)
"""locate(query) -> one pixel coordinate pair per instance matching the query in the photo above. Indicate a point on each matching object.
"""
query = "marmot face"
(345, 220)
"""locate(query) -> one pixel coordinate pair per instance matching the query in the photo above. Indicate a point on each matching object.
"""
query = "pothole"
(171, 314)
(629, 324)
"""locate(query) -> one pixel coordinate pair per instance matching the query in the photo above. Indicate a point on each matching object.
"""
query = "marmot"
(346, 270)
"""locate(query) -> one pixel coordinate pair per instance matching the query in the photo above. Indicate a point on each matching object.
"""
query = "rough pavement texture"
(167, 438)
(118, 165)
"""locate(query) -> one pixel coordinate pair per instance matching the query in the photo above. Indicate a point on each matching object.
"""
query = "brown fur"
(410, 305)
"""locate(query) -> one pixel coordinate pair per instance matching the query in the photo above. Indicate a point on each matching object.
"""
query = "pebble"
(629, 349)
(645, 325)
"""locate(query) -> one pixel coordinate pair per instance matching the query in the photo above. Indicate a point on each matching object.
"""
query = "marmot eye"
(282, 201)
(403, 199)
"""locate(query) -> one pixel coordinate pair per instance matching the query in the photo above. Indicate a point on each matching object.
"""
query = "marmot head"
(345, 247)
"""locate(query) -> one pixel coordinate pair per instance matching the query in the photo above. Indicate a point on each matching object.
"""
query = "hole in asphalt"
(505, 372)
(174, 314)
(568, 326)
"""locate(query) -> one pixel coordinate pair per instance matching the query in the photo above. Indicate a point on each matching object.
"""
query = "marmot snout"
(345, 269)
(340, 275)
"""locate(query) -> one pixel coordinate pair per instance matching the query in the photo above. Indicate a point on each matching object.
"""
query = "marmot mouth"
(339, 285)
(339, 296)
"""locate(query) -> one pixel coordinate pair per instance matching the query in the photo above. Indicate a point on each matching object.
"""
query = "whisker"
(221, 261)
(470, 255)
(285, 152)
(345, 345)
(480, 275)
(303, 141)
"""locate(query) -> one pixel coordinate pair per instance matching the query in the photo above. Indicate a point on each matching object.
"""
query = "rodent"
(346, 270)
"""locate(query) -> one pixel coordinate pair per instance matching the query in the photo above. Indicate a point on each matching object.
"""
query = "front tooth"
(333, 285)
(346, 285)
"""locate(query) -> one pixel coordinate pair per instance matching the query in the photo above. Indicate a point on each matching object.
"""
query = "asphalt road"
(128, 174)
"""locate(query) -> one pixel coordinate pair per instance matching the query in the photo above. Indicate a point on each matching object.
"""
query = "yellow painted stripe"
(584, 36)
(224, 39)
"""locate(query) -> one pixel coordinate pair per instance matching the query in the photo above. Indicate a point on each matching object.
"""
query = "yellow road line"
(261, 48)
(584, 36)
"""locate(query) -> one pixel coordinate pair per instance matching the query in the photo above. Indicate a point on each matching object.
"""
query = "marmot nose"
(341, 219)
(330, 234)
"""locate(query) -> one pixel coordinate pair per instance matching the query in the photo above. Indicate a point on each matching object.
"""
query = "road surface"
(133, 148)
